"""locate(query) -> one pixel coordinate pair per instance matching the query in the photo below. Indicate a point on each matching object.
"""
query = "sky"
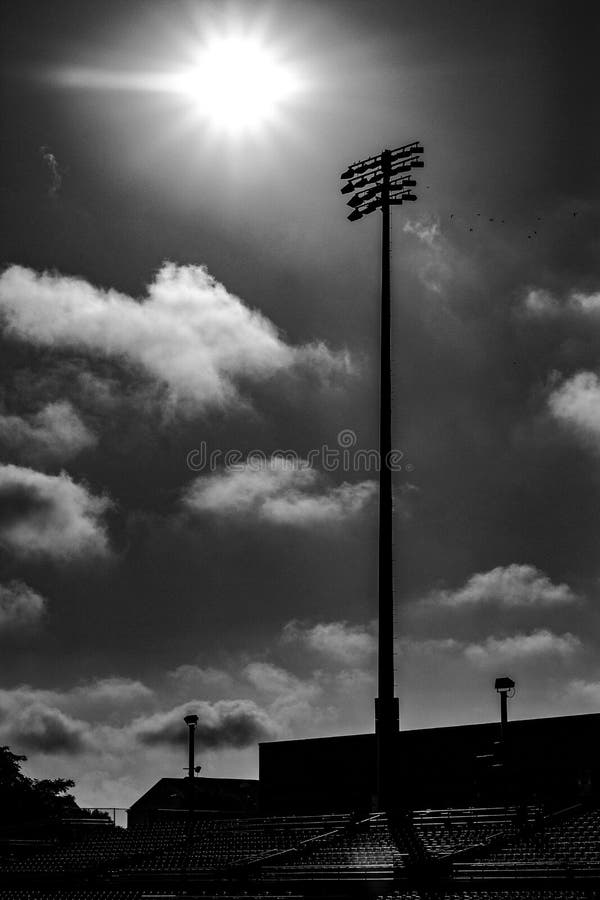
(189, 329)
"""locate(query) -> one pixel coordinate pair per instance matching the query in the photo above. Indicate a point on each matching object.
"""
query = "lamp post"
(504, 686)
(380, 183)
(191, 721)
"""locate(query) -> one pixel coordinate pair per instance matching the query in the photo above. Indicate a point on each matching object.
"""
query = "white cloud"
(435, 260)
(55, 434)
(509, 586)
(278, 490)
(541, 303)
(576, 403)
(105, 698)
(538, 302)
(292, 699)
(587, 303)
(336, 641)
(190, 677)
(20, 606)
(50, 516)
(427, 231)
(580, 689)
(271, 679)
(189, 333)
(493, 650)
(428, 646)
(523, 647)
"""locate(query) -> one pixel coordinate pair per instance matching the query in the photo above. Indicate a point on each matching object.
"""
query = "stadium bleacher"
(566, 844)
(487, 853)
(445, 831)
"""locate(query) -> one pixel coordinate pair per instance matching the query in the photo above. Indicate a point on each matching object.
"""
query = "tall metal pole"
(379, 183)
(387, 717)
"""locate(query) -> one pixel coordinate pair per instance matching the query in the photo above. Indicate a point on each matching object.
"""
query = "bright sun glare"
(238, 85)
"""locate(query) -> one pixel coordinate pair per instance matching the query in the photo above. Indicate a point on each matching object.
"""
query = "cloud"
(586, 303)
(50, 516)
(541, 303)
(508, 586)
(48, 730)
(277, 490)
(105, 700)
(523, 647)
(494, 650)
(191, 677)
(270, 679)
(428, 646)
(67, 721)
(336, 641)
(226, 723)
(580, 689)
(29, 720)
(115, 690)
(538, 302)
(20, 606)
(434, 258)
(572, 401)
(189, 333)
(51, 164)
(576, 403)
(54, 434)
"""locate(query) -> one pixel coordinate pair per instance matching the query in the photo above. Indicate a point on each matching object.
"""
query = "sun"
(238, 84)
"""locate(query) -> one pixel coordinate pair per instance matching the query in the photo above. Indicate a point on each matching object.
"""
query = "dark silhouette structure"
(374, 187)
(554, 759)
(169, 798)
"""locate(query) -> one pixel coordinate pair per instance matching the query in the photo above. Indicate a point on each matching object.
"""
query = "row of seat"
(572, 841)
(445, 831)
(496, 894)
(170, 846)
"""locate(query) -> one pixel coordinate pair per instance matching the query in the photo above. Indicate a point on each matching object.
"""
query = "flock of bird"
(533, 233)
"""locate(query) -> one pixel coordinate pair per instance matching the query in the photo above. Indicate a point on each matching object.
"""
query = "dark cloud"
(38, 727)
(50, 516)
(53, 434)
(20, 606)
(226, 723)
(20, 501)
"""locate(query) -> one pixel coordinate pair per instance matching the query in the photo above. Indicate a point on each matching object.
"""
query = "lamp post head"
(504, 684)
(191, 720)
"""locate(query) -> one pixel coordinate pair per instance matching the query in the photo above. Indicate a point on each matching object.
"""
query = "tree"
(24, 799)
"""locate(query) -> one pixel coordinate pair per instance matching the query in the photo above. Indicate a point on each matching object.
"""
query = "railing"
(118, 815)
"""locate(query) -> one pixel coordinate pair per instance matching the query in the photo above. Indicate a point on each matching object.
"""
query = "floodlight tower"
(380, 182)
